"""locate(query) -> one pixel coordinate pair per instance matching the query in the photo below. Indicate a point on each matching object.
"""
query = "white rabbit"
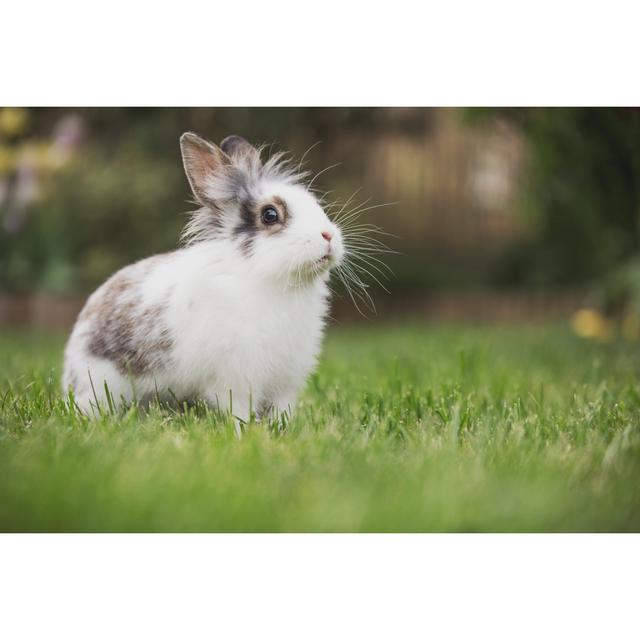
(236, 316)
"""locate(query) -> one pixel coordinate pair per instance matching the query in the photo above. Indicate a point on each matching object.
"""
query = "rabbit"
(235, 317)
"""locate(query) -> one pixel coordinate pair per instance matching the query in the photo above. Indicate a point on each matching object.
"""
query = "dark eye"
(269, 215)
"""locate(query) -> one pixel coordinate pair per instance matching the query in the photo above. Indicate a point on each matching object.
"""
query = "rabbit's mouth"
(311, 270)
(314, 268)
(322, 263)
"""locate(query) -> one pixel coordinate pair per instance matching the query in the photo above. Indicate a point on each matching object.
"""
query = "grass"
(403, 428)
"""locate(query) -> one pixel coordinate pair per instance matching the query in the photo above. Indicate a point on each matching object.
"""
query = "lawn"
(403, 428)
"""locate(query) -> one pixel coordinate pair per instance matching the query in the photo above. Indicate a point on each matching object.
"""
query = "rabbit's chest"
(255, 337)
(279, 335)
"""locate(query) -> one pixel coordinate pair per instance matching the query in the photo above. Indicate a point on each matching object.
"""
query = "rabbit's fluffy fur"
(236, 316)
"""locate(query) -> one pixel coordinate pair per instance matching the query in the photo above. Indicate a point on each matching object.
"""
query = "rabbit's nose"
(327, 235)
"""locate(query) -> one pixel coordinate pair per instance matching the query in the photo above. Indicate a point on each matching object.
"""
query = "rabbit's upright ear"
(202, 161)
(238, 148)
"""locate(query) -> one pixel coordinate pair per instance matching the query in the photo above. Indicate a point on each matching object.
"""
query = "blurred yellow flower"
(42, 156)
(13, 121)
(590, 323)
(34, 154)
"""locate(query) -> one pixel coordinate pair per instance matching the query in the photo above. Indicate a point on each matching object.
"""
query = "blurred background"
(500, 214)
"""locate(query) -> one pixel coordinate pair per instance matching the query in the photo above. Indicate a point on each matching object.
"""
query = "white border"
(285, 52)
(314, 586)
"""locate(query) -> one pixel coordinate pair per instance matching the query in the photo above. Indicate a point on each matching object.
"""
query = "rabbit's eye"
(269, 215)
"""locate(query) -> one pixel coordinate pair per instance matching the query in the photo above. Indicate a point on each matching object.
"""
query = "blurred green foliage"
(115, 200)
(74, 209)
(581, 193)
(119, 194)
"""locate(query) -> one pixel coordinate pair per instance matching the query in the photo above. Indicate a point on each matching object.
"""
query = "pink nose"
(327, 235)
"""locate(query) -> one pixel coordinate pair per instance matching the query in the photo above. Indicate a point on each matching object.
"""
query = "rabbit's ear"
(202, 160)
(237, 147)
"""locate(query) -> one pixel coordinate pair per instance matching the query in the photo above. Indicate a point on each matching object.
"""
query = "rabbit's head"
(272, 220)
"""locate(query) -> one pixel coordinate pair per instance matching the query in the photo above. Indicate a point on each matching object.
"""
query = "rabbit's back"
(121, 334)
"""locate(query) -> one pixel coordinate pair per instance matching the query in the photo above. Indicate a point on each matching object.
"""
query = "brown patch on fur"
(281, 206)
(251, 223)
(129, 335)
(115, 287)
